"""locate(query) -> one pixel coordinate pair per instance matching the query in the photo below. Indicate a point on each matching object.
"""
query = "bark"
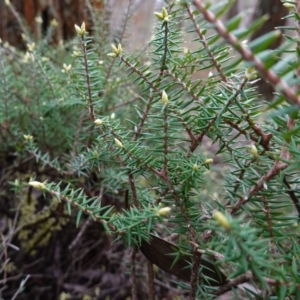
(66, 13)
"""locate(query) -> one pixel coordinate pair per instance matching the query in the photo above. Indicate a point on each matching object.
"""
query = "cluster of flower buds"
(163, 15)
(80, 30)
(116, 50)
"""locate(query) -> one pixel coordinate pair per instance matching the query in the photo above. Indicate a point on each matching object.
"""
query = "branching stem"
(288, 91)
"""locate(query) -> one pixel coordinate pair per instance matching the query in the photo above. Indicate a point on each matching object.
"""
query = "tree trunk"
(69, 12)
(66, 13)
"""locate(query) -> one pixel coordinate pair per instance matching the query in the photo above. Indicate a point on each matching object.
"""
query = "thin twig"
(292, 195)
(184, 86)
(88, 79)
(266, 210)
(205, 44)
(112, 108)
(165, 130)
(199, 138)
(196, 257)
(18, 18)
(144, 117)
(274, 171)
(91, 11)
(133, 276)
(21, 287)
(250, 276)
(127, 16)
(233, 283)
(133, 190)
(85, 210)
(141, 75)
(164, 57)
(150, 280)
(80, 233)
(215, 254)
(195, 273)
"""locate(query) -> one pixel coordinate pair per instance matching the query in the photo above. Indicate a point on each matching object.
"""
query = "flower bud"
(31, 47)
(98, 122)
(164, 98)
(112, 54)
(163, 15)
(116, 50)
(195, 167)
(38, 185)
(221, 219)
(250, 73)
(119, 143)
(38, 20)
(164, 12)
(28, 57)
(80, 30)
(254, 150)
(163, 212)
(208, 161)
(66, 68)
(28, 137)
(289, 5)
(53, 23)
(159, 15)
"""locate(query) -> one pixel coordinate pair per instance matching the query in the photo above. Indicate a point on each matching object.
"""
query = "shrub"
(179, 134)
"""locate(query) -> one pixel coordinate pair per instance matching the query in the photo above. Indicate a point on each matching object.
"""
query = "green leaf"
(263, 42)
(78, 217)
